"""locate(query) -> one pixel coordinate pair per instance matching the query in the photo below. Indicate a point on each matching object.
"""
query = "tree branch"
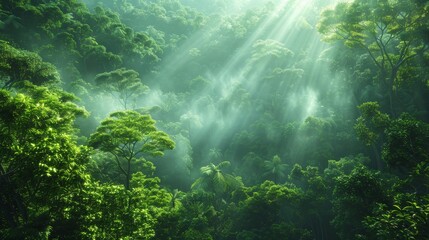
(119, 163)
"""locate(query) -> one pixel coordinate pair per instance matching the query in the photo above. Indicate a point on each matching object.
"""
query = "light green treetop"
(17, 66)
(275, 168)
(213, 179)
(130, 136)
(40, 163)
(124, 84)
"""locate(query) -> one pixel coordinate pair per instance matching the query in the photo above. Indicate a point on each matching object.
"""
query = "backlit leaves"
(128, 136)
(213, 179)
(123, 83)
(17, 66)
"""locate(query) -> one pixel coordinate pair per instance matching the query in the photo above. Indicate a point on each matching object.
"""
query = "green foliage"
(118, 213)
(371, 124)
(240, 81)
(97, 58)
(268, 212)
(41, 165)
(407, 143)
(315, 132)
(123, 84)
(314, 202)
(402, 141)
(354, 197)
(214, 180)
(17, 66)
(196, 218)
(121, 39)
(344, 166)
(406, 219)
(270, 50)
(308, 179)
(215, 154)
(130, 136)
(388, 31)
(275, 168)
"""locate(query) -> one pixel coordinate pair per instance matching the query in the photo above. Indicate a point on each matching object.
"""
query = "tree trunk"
(391, 86)
(127, 175)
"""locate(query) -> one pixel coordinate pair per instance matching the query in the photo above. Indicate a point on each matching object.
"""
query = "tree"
(124, 84)
(270, 52)
(407, 143)
(270, 212)
(214, 180)
(354, 197)
(370, 127)
(176, 196)
(41, 166)
(195, 218)
(215, 154)
(130, 136)
(390, 32)
(121, 39)
(117, 213)
(275, 65)
(275, 168)
(402, 141)
(314, 204)
(407, 219)
(17, 66)
(96, 58)
(251, 169)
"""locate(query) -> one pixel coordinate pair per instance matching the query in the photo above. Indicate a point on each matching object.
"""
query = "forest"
(214, 119)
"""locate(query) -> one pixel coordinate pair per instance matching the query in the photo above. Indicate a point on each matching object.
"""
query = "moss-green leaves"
(122, 83)
(128, 136)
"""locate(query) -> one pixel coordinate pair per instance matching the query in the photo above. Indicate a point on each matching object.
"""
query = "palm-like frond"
(275, 168)
(213, 179)
(223, 164)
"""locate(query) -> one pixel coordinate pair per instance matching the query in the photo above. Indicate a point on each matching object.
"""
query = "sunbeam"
(278, 66)
(214, 119)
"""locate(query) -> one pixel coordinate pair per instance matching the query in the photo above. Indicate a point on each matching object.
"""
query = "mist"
(275, 69)
(214, 119)
(243, 64)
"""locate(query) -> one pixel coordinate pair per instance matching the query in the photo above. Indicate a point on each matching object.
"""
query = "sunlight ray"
(281, 25)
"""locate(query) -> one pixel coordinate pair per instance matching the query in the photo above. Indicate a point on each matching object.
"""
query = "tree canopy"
(130, 136)
(214, 119)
